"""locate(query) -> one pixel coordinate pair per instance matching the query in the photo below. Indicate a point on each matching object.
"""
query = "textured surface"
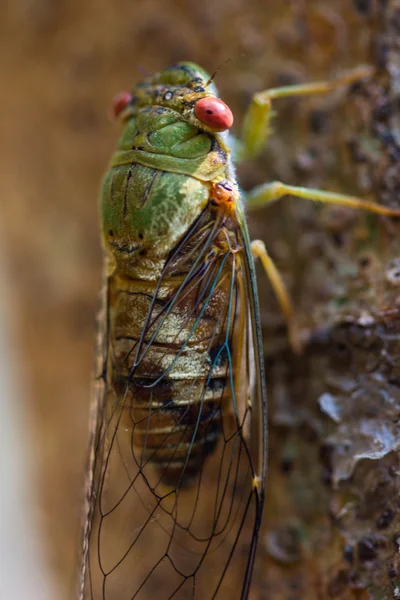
(332, 517)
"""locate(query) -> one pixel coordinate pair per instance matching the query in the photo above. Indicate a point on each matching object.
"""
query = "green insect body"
(176, 489)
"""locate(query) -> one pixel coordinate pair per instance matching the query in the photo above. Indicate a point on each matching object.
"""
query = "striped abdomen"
(169, 372)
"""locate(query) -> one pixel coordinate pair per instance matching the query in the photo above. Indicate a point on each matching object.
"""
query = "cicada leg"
(256, 125)
(259, 250)
(256, 129)
(270, 192)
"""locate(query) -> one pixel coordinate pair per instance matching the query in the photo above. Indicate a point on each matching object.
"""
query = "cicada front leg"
(256, 124)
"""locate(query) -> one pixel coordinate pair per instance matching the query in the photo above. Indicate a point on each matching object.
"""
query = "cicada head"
(185, 88)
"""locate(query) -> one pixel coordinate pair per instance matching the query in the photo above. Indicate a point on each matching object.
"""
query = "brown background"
(332, 518)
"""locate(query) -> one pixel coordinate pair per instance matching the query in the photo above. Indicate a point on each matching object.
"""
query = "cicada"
(177, 472)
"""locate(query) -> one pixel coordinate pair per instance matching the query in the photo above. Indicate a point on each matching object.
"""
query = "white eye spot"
(167, 95)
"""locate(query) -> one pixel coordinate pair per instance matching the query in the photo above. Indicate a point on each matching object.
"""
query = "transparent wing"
(179, 456)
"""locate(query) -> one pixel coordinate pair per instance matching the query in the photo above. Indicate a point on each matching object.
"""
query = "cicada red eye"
(214, 113)
(120, 101)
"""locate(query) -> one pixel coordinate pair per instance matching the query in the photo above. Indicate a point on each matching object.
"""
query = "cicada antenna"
(218, 69)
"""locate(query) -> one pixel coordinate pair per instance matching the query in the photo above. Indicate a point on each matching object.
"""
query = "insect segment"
(178, 455)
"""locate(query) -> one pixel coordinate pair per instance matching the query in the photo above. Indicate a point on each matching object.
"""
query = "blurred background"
(61, 62)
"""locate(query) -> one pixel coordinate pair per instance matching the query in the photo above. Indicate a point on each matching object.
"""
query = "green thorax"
(159, 178)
